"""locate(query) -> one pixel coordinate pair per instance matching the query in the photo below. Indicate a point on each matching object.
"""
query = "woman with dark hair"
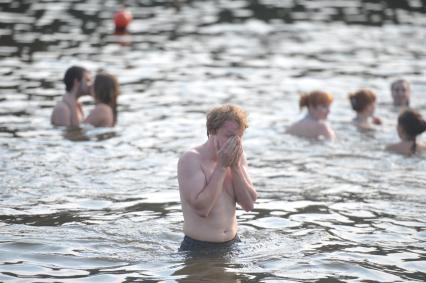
(363, 102)
(105, 91)
(410, 125)
(314, 125)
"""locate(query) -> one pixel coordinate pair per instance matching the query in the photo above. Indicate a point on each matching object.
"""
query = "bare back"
(101, 116)
(311, 129)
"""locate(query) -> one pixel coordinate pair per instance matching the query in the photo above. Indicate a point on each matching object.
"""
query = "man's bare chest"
(208, 170)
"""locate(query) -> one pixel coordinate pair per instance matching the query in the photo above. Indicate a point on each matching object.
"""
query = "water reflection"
(88, 133)
(90, 204)
(207, 269)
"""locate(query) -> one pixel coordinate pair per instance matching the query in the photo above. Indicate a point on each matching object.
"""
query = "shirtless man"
(68, 112)
(212, 178)
(401, 92)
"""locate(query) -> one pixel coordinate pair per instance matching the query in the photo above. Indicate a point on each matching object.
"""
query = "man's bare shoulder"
(189, 165)
(60, 106)
(191, 156)
(60, 114)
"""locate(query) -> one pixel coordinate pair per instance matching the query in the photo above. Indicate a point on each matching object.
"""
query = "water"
(102, 205)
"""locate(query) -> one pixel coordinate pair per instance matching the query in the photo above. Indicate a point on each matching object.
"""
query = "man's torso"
(221, 224)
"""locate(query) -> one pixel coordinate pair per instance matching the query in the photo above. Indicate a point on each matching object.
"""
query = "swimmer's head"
(217, 117)
(362, 100)
(411, 124)
(106, 89)
(318, 103)
(315, 98)
(401, 92)
(80, 75)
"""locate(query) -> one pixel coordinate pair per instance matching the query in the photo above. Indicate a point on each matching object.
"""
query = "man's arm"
(75, 120)
(73, 108)
(199, 192)
(243, 187)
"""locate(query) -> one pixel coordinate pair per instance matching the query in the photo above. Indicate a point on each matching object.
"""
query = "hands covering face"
(231, 152)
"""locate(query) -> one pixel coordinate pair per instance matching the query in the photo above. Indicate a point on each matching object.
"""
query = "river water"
(102, 205)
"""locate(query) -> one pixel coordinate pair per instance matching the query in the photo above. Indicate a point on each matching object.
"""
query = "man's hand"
(228, 152)
(239, 153)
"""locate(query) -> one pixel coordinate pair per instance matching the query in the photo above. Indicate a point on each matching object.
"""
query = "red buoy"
(122, 19)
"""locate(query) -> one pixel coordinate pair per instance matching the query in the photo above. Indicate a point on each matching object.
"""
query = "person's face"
(85, 84)
(228, 130)
(400, 94)
(320, 112)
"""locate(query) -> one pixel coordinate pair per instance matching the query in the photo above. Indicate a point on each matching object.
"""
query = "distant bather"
(314, 124)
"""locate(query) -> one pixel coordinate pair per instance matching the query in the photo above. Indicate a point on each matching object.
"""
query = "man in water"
(68, 112)
(401, 92)
(212, 178)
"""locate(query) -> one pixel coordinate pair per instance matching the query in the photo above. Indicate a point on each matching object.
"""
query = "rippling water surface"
(102, 205)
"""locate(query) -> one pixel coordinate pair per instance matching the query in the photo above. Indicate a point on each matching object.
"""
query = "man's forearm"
(208, 196)
(245, 192)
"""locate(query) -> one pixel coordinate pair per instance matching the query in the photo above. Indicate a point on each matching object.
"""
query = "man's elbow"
(254, 196)
(202, 211)
(248, 206)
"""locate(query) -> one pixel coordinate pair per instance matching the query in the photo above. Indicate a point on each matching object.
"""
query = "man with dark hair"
(213, 178)
(68, 112)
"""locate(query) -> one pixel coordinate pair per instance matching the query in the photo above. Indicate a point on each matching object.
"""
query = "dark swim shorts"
(192, 245)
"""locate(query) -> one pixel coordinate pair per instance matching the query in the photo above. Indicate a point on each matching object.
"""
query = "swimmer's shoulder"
(190, 156)
(60, 114)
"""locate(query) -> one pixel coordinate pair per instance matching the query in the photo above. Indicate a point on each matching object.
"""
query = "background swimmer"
(363, 102)
(314, 124)
(68, 112)
(105, 91)
(401, 92)
(410, 125)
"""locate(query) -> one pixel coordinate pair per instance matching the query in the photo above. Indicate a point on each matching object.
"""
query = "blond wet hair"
(217, 117)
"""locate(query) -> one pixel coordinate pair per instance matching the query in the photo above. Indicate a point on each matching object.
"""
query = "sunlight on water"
(102, 205)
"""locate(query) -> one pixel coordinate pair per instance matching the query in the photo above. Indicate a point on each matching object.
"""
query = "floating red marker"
(122, 19)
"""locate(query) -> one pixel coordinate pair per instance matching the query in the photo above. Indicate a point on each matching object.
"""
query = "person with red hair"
(314, 124)
(363, 102)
